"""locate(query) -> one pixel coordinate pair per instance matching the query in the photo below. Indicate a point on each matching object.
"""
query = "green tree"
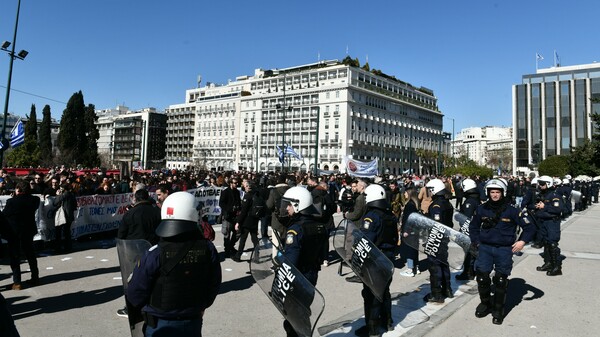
(28, 153)
(90, 157)
(554, 166)
(582, 160)
(366, 67)
(351, 62)
(71, 136)
(45, 137)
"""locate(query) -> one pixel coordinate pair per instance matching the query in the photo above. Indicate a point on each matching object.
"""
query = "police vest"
(389, 234)
(182, 279)
(314, 236)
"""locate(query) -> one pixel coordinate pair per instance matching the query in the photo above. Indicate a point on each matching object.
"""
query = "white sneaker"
(407, 273)
(418, 271)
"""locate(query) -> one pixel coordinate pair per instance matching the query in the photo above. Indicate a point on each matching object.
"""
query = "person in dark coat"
(141, 220)
(246, 223)
(21, 227)
(66, 200)
(230, 203)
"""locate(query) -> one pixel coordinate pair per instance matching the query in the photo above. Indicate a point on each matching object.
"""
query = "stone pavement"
(81, 291)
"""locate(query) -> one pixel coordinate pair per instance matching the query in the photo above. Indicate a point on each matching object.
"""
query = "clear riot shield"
(462, 221)
(365, 259)
(130, 252)
(576, 196)
(293, 295)
(436, 240)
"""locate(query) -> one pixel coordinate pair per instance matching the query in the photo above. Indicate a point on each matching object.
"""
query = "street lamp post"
(453, 154)
(21, 55)
(283, 109)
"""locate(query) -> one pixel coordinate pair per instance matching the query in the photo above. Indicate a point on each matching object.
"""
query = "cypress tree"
(45, 137)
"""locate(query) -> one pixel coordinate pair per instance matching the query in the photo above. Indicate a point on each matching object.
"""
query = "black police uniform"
(380, 226)
(468, 209)
(493, 231)
(441, 211)
(174, 283)
(595, 190)
(549, 219)
(304, 242)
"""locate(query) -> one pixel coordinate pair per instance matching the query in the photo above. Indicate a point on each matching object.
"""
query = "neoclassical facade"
(324, 111)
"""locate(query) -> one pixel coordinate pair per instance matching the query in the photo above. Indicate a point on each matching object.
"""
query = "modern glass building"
(551, 112)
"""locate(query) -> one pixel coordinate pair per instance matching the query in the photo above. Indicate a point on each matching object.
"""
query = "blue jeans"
(494, 258)
(167, 328)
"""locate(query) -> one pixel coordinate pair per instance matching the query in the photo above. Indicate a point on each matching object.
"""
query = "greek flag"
(17, 135)
(288, 150)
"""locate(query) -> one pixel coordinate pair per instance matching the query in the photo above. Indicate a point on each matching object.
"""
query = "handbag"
(59, 217)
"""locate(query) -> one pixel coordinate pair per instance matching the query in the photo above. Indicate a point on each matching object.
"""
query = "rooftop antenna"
(318, 56)
(199, 80)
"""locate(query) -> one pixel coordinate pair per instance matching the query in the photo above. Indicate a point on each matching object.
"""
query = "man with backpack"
(247, 220)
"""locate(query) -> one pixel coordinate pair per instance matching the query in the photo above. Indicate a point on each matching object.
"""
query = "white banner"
(102, 213)
(360, 169)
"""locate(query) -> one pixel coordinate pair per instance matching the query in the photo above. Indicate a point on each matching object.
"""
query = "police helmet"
(436, 186)
(178, 214)
(375, 196)
(557, 182)
(495, 184)
(568, 176)
(547, 180)
(566, 181)
(534, 181)
(468, 184)
(300, 199)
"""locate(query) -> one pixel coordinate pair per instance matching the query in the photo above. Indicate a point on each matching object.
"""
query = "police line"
(102, 213)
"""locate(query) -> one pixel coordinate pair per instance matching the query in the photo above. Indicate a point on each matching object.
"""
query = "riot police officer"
(493, 232)
(472, 200)
(379, 225)
(179, 278)
(548, 213)
(305, 237)
(565, 190)
(441, 211)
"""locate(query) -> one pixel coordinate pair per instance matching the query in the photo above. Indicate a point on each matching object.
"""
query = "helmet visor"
(285, 202)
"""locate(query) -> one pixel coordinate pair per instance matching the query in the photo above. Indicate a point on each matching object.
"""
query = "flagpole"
(10, 69)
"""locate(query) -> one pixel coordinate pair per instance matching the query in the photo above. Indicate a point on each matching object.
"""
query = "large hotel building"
(551, 112)
(324, 111)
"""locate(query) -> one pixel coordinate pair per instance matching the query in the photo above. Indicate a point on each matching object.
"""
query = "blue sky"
(147, 53)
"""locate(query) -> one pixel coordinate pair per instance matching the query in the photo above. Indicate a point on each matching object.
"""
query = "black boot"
(501, 284)
(375, 328)
(546, 266)
(436, 288)
(484, 284)
(447, 289)
(556, 263)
